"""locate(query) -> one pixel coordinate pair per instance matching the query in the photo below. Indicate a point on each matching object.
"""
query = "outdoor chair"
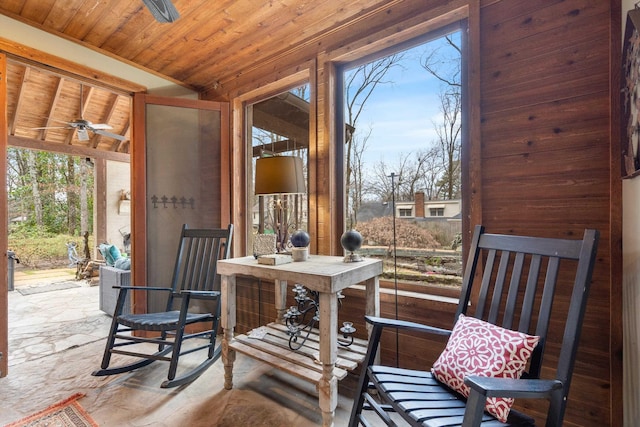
(194, 279)
(486, 354)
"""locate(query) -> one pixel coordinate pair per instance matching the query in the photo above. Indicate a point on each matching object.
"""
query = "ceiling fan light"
(83, 135)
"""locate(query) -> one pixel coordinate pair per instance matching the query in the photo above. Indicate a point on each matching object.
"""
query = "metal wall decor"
(173, 201)
(302, 318)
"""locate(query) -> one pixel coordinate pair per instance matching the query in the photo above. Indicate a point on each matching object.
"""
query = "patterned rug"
(67, 413)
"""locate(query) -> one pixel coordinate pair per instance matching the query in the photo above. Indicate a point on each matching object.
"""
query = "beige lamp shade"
(279, 174)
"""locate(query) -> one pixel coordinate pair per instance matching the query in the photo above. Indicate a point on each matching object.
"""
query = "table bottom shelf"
(270, 344)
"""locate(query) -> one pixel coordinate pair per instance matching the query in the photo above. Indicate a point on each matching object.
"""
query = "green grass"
(38, 250)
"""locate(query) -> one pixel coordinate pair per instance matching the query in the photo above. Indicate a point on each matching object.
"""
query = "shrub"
(379, 232)
(37, 249)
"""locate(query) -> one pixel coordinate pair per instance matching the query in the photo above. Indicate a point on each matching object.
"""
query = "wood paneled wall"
(549, 160)
(543, 155)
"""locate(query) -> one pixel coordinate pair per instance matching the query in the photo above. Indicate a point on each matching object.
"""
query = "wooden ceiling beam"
(52, 106)
(85, 100)
(20, 103)
(123, 146)
(281, 146)
(72, 150)
(28, 56)
(111, 108)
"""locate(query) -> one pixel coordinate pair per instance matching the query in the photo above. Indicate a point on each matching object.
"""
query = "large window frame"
(241, 156)
(368, 54)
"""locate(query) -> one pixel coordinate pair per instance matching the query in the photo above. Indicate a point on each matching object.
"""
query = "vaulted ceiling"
(61, 114)
(210, 44)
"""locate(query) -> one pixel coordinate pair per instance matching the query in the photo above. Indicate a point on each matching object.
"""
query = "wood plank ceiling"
(208, 46)
(49, 108)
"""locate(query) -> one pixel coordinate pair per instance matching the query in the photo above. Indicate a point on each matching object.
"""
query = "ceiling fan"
(163, 10)
(83, 126)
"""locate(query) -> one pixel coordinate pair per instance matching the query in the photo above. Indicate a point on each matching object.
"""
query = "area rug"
(67, 413)
(38, 289)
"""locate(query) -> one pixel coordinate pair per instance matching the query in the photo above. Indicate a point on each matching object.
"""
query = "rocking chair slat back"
(196, 266)
(519, 281)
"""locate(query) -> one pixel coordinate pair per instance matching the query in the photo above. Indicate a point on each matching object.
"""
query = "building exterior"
(433, 209)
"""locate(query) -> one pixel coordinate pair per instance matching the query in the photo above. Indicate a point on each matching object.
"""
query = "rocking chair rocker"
(194, 278)
(518, 294)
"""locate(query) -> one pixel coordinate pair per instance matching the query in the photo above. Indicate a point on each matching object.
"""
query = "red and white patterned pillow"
(479, 348)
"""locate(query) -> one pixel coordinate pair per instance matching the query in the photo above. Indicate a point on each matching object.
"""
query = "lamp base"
(300, 254)
(353, 257)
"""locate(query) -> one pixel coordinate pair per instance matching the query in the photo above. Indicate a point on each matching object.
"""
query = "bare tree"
(72, 196)
(359, 85)
(444, 64)
(409, 172)
(85, 170)
(448, 132)
(357, 188)
(33, 178)
(431, 172)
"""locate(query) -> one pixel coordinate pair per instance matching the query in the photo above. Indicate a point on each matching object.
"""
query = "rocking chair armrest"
(403, 324)
(142, 288)
(202, 294)
(511, 387)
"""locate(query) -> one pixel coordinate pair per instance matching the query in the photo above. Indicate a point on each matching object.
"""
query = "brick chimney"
(419, 200)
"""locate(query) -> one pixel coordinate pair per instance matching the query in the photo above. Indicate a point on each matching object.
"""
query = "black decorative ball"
(351, 240)
(300, 239)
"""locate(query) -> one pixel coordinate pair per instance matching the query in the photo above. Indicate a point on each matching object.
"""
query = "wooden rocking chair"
(194, 278)
(518, 294)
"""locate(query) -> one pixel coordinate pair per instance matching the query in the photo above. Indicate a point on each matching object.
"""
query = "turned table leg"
(280, 300)
(328, 386)
(228, 301)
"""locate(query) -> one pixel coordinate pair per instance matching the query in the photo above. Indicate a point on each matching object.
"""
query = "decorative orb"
(351, 240)
(300, 239)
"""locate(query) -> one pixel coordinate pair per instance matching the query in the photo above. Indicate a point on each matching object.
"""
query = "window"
(402, 145)
(279, 126)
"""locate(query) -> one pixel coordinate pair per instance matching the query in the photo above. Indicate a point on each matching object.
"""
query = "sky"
(401, 114)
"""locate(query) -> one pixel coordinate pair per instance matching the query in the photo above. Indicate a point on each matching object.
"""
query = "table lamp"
(279, 175)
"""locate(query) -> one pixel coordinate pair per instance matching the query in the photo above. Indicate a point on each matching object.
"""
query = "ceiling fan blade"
(162, 10)
(100, 126)
(50, 127)
(110, 135)
(83, 135)
(59, 121)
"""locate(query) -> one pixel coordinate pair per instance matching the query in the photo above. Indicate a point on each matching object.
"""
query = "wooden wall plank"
(546, 150)
(620, 396)
(514, 22)
(547, 127)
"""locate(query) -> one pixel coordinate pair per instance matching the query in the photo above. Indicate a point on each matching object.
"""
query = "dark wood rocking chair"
(194, 278)
(519, 293)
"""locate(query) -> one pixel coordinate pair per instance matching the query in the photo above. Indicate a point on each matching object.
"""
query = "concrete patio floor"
(57, 338)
